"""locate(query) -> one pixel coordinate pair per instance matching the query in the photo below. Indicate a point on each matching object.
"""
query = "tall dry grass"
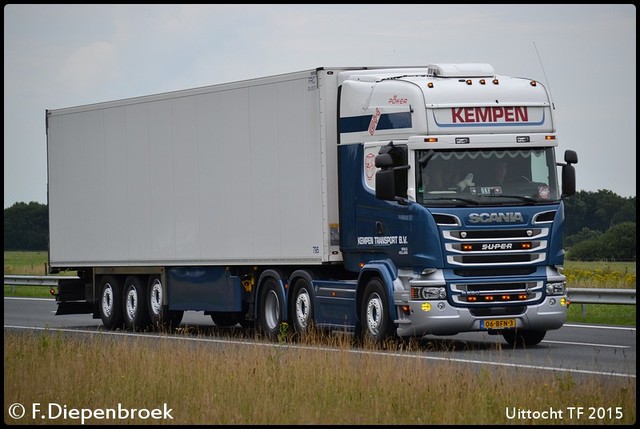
(204, 382)
(609, 275)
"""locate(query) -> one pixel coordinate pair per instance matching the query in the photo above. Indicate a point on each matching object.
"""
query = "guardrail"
(601, 296)
(575, 295)
(19, 280)
(585, 296)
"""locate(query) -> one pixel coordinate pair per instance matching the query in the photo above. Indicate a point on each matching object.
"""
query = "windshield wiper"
(518, 197)
(466, 200)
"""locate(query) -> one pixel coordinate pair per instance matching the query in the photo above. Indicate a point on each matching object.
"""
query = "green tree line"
(26, 227)
(598, 226)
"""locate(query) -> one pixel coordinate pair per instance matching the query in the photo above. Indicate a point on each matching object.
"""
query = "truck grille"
(492, 293)
(486, 248)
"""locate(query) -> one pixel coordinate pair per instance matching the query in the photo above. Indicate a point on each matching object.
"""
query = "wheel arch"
(281, 287)
(387, 272)
(305, 274)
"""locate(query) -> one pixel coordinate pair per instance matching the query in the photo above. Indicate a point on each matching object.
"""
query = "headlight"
(556, 288)
(426, 293)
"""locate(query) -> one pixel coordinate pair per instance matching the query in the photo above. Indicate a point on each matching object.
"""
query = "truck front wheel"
(519, 338)
(161, 317)
(110, 304)
(375, 323)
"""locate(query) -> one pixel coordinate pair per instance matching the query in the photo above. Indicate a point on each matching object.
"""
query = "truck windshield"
(486, 176)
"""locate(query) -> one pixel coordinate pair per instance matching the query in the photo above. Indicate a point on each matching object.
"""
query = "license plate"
(498, 324)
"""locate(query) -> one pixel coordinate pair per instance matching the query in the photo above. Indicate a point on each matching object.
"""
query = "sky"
(58, 56)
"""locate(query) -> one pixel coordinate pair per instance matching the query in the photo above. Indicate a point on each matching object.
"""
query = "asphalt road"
(579, 349)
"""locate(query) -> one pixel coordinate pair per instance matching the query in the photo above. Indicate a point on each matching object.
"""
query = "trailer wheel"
(161, 317)
(302, 310)
(520, 338)
(270, 304)
(374, 313)
(136, 315)
(110, 305)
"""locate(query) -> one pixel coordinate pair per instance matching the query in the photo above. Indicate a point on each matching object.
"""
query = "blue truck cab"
(450, 196)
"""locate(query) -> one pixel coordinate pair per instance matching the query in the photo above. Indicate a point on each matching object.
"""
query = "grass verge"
(202, 383)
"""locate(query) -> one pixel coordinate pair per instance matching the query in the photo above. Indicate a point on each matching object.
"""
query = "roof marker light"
(533, 83)
(495, 81)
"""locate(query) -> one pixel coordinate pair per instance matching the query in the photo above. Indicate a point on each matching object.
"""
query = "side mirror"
(568, 180)
(386, 185)
(385, 178)
(569, 173)
(384, 161)
(570, 157)
(392, 161)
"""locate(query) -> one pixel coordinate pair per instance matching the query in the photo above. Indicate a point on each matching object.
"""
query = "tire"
(270, 305)
(110, 304)
(160, 316)
(134, 304)
(521, 338)
(375, 324)
(302, 307)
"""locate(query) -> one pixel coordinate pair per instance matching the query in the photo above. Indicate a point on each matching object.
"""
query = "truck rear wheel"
(136, 315)
(519, 338)
(270, 305)
(375, 323)
(161, 317)
(302, 310)
(110, 305)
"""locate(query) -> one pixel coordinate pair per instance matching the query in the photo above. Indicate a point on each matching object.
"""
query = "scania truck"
(391, 202)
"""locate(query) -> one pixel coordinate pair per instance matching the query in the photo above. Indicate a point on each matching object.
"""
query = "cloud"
(67, 55)
(89, 67)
